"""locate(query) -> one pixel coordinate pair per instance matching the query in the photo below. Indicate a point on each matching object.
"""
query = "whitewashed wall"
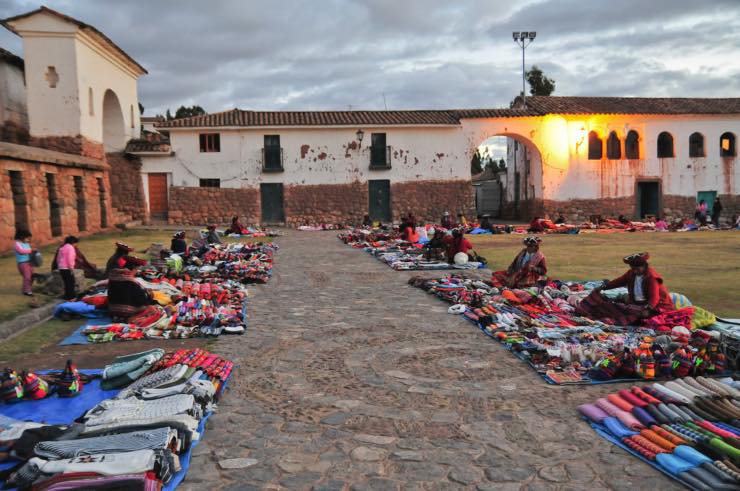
(315, 156)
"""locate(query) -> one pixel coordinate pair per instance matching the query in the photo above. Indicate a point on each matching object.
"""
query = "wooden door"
(158, 195)
(379, 192)
(271, 196)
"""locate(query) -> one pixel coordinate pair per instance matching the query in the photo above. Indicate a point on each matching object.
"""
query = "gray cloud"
(330, 54)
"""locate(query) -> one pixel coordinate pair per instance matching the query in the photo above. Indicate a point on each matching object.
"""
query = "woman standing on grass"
(65, 262)
(23, 253)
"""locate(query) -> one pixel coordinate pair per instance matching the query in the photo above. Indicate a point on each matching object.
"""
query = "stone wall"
(75, 145)
(428, 200)
(200, 206)
(326, 203)
(127, 188)
(673, 207)
(32, 207)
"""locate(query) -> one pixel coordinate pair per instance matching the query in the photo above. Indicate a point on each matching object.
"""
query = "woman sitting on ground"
(647, 294)
(528, 268)
(118, 259)
(408, 232)
(178, 244)
(126, 297)
(436, 246)
(536, 226)
(236, 227)
(212, 236)
(456, 243)
(367, 222)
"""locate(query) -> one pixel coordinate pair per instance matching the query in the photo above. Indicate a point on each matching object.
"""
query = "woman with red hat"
(118, 259)
(647, 294)
(528, 268)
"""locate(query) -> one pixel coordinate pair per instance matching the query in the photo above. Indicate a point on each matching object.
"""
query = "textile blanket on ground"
(171, 331)
(55, 410)
(688, 429)
(540, 326)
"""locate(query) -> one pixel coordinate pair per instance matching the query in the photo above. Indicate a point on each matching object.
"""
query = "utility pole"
(524, 39)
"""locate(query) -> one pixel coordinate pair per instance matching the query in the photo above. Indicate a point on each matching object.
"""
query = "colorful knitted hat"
(11, 386)
(34, 387)
(532, 241)
(70, 382)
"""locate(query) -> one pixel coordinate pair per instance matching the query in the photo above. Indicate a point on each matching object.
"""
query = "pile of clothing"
(319, 227)
(398, 254)
(541, 327)
(688, 429)
(139, 439)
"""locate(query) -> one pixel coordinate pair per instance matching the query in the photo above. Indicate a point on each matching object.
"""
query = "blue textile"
(479, 231)
(78, 308)
(78, 338)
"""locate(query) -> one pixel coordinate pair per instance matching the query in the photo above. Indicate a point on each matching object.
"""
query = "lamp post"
(524, 39)
(360, 135)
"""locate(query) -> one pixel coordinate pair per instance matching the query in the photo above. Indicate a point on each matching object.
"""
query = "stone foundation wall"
(325, 203)
(75, 145)
(200, 206)
(32, 207)
(673, 207)
(127, 188)
(428, 200)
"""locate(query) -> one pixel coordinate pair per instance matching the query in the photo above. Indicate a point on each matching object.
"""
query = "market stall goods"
(140, 437)
(689, 429)
(542, 327)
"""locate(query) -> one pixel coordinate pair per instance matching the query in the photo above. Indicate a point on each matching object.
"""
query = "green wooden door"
(271, 197)
(379, 193)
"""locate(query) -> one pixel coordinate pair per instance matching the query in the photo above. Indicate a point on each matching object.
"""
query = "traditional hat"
(447, 213)
(179, 234)
(211, 227)
(637, 259)
(532, 240)
(124, 247)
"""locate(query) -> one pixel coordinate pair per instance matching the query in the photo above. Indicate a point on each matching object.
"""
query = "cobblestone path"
(350, 379)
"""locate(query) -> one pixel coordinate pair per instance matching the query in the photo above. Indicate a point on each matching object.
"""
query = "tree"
(475, 166)
(168, 115)
(539, 84)
(141, 108)
(184, 112)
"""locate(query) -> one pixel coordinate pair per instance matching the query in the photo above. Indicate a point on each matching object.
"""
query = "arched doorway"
(114, 132)
(512, 189)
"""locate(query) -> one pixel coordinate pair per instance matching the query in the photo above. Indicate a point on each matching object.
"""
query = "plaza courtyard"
(348, 378)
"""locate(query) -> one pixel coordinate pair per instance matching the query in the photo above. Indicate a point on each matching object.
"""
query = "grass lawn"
(97, 249)
(704, 266)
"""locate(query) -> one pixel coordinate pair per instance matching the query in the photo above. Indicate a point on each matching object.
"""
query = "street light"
(523, 39)
(360, 135)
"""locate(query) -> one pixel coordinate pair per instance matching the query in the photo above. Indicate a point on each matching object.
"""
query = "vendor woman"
(644, 285)
(528, 268)
(236, 227)
(457, 243)
(178, 244)
(126, 297)
(118, 259)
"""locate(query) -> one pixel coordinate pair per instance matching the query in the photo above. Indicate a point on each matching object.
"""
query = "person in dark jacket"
(178, 244)
(126, 297)
(118, 259)
(447, 221)
(716, 211)
(212, 237)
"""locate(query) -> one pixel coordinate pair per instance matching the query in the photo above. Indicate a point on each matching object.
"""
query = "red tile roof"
(632, 105)
(80, 24)
(536, 106)
(150, 143)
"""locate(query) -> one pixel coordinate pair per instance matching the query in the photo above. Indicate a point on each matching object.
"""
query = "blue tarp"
(78, 338)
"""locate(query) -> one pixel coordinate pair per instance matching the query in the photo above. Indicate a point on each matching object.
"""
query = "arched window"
(665, 146)
(613, 147)
(595, 146)
(727, 145)
(632, 145)
(696, 145)
(90, 101)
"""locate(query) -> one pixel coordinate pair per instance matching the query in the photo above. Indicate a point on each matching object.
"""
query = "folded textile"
(74, 481)
(122, 410)
(126, 369)
(154, 439)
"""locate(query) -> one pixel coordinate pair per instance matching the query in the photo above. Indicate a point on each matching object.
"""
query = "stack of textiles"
(688, 429)
(255, 232)
(540, 326)
(141, 438)
(318, 227)
(396, 253)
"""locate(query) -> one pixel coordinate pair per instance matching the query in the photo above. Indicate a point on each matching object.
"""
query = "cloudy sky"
(333, 54)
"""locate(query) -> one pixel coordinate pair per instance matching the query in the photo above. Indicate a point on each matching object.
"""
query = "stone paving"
(349, 379)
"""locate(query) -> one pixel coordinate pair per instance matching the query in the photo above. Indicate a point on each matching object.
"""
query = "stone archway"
(114, 127)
